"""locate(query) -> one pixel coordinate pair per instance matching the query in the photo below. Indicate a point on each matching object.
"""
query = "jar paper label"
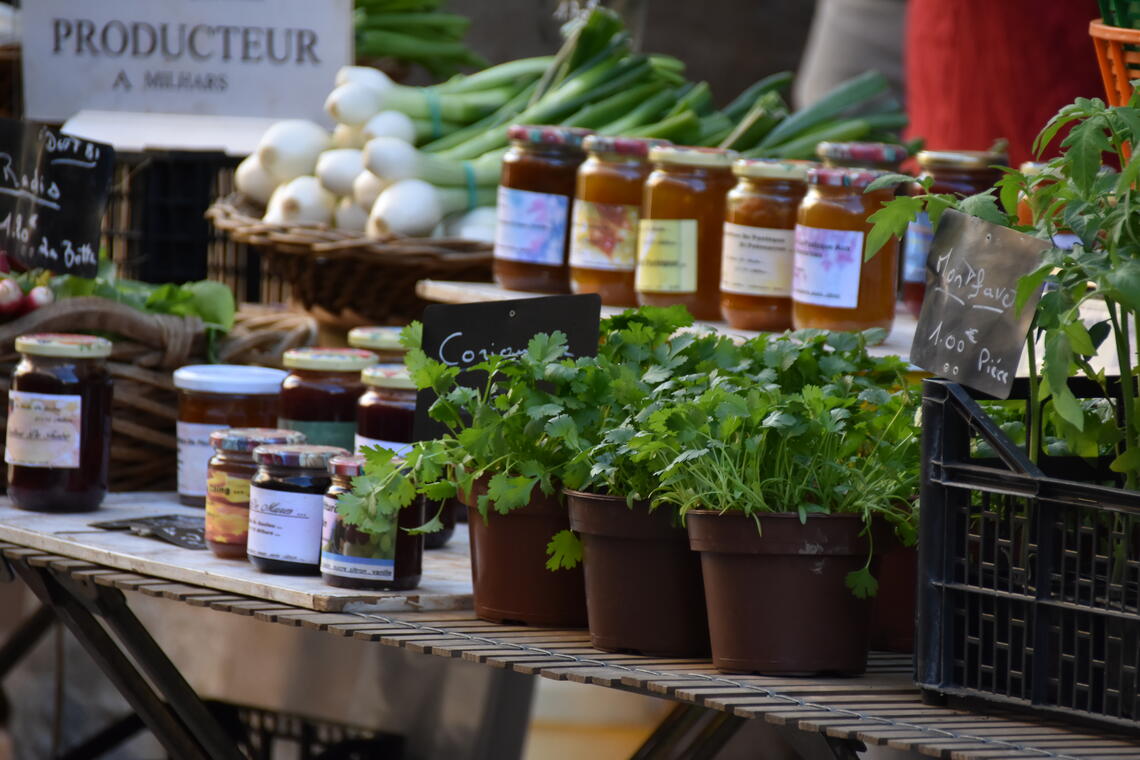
(667, 256)
(827, 267)
(916, 247)
(757, 261)
(531, 227)
(227, 508)
(604, 236)
(285, 526)
(44, 430)
(323, 433)
(194, 452)
(352, 553)
(401, 449)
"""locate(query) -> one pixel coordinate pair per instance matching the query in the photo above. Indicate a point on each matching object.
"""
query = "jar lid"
(637, 147)
(772, 168)
(348, 465)
(838, 176)
(567, 137)
(1033, 168)
(960, 159)
(329, 359)
(303, 455)
(716, 158)
(871, 152)
(388, 376)
(67, 345)
(229, 378)
(248, 439)
(376, 338)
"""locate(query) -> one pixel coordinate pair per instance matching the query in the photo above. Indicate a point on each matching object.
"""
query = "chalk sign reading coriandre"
(266, 58)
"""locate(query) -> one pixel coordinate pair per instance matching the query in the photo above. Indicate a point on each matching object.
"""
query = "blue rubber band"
(472, 187)
(435, 112)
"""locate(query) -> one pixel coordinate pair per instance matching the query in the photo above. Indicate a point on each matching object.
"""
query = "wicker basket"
(346, 279)
(148, 348)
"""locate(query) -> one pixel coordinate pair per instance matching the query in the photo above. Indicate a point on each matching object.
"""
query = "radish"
(37, 297)
(11, 297)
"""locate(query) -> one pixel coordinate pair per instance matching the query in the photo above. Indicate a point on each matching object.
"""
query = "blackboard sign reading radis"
(53, 190)
(466, 334)
(970, 330)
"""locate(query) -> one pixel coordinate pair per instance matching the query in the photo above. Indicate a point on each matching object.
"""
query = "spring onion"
(290, 148)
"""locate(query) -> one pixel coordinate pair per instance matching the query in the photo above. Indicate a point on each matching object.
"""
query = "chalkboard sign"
(466, 334)
(969, 330)
(53, 189)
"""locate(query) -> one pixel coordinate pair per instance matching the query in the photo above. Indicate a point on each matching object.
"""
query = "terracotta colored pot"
(643, 583)
(777, 600)
(508, 566)
(893, 608)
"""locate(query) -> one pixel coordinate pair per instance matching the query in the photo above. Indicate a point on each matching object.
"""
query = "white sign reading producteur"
(269, 58)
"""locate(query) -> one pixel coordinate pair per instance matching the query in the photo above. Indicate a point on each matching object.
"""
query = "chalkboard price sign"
(53, 190)
(466, 334)
(970, 330)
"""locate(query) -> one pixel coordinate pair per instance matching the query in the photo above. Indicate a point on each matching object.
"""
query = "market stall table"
(73, 567)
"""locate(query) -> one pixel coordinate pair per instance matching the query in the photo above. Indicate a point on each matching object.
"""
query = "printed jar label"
(285, 526)
(194, 452)
(604, 236)
(667, 256)
(531, 227)
(361, 441)
(44, 430)
(227, 508)
(322, 433)
(349, 552)
(827, 267)
(916, 247)
(757, 261)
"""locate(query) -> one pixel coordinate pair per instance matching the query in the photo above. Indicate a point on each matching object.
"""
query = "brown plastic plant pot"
(643, 584)
(777, 599)
(893, 608)
(508, 566)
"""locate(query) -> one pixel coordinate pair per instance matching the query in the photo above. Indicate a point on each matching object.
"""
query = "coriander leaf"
(544, 348)
(563, 427)
(434, 525)
(439, 490)
(412, 336)
(564, 551)
(544, 410)
(862, 584)
(507, 492)
(377, 457)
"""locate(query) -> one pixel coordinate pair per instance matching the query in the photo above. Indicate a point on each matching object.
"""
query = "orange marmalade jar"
(536, 192)
(682, 228)
(607, 208)
(759, 238)
(832, 287)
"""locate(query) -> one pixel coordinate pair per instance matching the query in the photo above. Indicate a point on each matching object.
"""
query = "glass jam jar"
(228, 475)
(607, 208)
(957, 172)
(536, 192)
(214, 397)
(286, 502)
(759, 243)
(319, 396)
(356, 558)
(382, 341)
(862, 155)
(58, 440)
(832, 287)
(682, 228)
(386, 411)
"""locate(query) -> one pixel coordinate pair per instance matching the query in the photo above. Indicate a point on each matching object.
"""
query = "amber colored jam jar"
(832, 287)
(319, 396)
(382, 341)
(215, 397)
(682, 228)
(536, 193)
(759, 243)
(286, 502)
(356, 558)
(861, 155)
(607, 208)
(957, 172)
(228, 475)
(386, 411)
(58, 440)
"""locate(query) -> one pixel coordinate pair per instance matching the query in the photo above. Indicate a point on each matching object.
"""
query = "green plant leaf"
(1086, 142)
(412, 336)
(984, 206)
(1030, 284)
(862, 584)
(1122, 284)
(1129, 461)
(439, 490)
(510, 492)
(890, 179)
(564, 551)
(890, 221)
(1079, 338)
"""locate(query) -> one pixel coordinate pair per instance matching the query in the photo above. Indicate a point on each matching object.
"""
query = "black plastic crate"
(1029, 574)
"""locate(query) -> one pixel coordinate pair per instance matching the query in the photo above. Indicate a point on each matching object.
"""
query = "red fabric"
(977, 70)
